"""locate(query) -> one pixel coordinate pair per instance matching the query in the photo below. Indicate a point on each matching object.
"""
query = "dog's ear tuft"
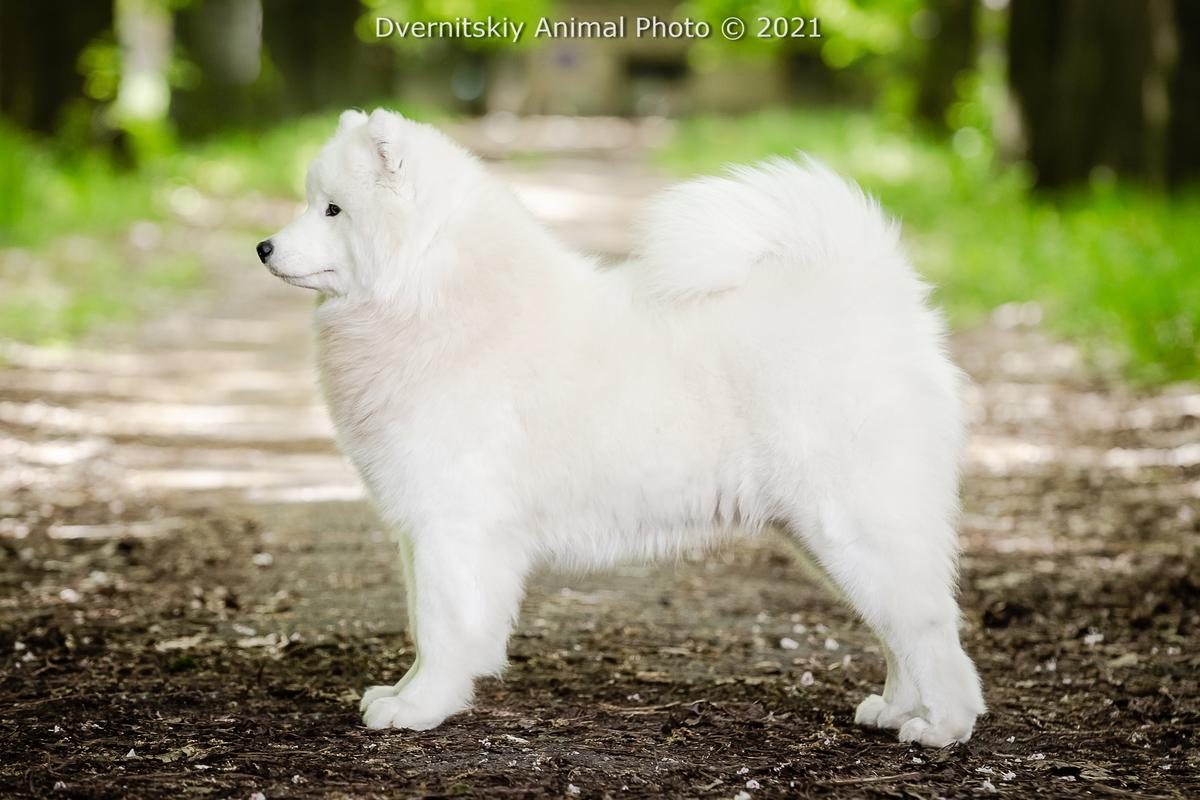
(384, 128)
(351, 118)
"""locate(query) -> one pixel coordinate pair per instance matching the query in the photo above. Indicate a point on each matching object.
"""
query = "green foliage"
(46, 192)
(526, 11)
(50, 191)
(1113, 267)
(15, 167)
(66, 264)
(67, 267)
(270, 162)
(68, 296)
(872, 39)
(850, 30)
(100, 66)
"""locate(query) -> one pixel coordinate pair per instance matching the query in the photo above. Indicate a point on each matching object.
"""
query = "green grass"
(66, 264)
(1114, 268)
(44, 194)
(67, 298)
(49, 194)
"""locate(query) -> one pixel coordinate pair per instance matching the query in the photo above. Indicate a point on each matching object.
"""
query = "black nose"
(265, 248)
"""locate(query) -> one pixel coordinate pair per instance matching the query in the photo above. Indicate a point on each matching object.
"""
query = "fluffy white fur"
(767, 359)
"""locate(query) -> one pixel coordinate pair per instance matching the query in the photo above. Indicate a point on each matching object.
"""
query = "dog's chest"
(363, 383)
(387, 398)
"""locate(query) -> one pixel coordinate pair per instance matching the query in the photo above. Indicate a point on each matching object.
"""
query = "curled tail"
(706, 235)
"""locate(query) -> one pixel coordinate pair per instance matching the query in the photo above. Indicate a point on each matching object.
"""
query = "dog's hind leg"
(464, 592)
(899, 701)
(884, 538)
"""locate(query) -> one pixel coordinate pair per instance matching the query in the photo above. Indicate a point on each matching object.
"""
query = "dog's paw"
(373, 693)
(927, 734)
(879, 713)
(396, 711)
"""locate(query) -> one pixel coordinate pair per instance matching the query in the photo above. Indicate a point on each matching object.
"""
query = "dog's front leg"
(465, 586)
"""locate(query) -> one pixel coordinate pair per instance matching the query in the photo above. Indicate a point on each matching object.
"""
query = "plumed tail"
(707, 235)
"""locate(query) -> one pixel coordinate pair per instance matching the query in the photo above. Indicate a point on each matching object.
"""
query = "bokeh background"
(193, 587)
(1037, 151)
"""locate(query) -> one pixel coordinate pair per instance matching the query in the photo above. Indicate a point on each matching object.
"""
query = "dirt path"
(191, 588)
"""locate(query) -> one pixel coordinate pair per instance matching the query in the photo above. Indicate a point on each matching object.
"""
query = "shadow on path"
(192, 590)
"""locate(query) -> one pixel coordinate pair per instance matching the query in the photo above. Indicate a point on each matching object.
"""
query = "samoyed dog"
(766, 359)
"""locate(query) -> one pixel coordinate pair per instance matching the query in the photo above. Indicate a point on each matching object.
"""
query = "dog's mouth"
(297, 280)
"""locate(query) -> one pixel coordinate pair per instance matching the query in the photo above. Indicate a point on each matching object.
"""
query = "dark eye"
(332, 210)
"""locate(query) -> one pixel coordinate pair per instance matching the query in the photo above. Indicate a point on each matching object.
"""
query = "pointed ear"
(384, 129)
(350, 119)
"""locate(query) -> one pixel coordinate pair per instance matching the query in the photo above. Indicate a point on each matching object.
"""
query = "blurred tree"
(221, 40)
(40, 46)
(143, 93)
(949, 27)
(1093, 84)
(453, 73)
(1185, 96)
(322, 60)
(259, 60)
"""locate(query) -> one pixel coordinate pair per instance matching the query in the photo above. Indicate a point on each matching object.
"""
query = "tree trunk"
(310, 55)
(223, 38)
(40, 43)
(144, 32)
(1091, 81)
(1183, 162)
(951, 51)
(323, 61)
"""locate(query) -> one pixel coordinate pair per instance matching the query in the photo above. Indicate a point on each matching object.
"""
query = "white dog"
(766, 359)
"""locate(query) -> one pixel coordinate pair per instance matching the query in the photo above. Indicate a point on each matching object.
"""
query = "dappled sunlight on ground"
(189, 568)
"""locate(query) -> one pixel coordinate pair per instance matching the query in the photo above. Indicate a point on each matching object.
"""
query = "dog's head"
(379, 196)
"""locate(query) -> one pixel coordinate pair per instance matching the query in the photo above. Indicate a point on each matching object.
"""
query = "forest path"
(192, 589)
